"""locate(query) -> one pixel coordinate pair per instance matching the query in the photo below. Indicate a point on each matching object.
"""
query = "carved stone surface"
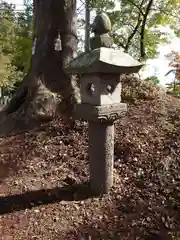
(101, 24)
(103, 40)
(100, 90)
(106, 113)
(100, 27)
(104, 60)
(101, 156)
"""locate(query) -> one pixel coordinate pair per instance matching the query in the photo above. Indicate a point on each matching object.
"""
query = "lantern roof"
(104, 60)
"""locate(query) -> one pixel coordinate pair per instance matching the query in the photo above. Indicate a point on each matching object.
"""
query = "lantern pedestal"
(101, 142)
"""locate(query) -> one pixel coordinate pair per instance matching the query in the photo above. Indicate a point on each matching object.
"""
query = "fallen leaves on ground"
(41, 171)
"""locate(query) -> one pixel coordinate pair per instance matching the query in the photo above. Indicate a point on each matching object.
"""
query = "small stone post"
(100, 90)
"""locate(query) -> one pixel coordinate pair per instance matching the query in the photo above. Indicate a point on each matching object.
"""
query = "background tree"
(15, 46)
(136, 25)
(7, 29)
(174, 58)
(46, 88)
(23, 39)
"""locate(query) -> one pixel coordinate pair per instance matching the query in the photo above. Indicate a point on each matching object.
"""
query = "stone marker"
(100, 90)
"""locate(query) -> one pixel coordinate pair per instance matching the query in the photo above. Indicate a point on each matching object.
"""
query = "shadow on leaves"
(32, 199)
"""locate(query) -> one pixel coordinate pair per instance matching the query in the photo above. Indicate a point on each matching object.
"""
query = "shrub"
(134, 89)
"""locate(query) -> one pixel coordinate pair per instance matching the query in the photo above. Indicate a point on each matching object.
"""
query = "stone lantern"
(100, 90)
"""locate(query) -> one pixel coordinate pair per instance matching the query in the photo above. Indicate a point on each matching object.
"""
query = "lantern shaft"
(101, 156)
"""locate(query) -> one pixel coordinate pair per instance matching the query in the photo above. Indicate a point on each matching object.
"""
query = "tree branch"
(138, 7)
(132, 34)
(135, 28)
(142, 48)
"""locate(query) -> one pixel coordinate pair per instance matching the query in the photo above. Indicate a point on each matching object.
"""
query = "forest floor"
(44, 173)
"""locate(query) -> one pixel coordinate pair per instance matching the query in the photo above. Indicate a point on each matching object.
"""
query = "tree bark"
(47, 89)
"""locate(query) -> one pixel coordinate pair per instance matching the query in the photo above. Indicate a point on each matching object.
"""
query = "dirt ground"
(44, 180)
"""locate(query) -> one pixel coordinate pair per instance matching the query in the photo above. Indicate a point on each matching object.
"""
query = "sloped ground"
(40, 192)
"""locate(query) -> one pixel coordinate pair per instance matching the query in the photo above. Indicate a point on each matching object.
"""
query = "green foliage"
(102, 5)
(8, 73)
(7, 28)
(174, 89)
(174, 93)
(23, 43)
(153, 79)
(15, 42)
(128, 23)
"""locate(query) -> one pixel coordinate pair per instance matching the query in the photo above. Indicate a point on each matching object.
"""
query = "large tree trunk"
(47, 90)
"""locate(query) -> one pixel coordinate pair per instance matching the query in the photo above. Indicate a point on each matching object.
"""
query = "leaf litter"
(37, 166)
